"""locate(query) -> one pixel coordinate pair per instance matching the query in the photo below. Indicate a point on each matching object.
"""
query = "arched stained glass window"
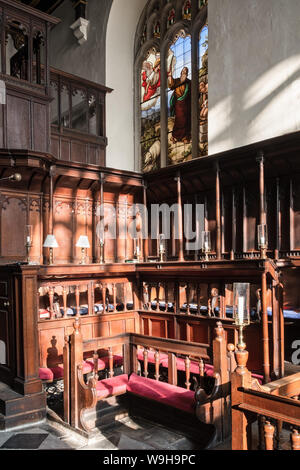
(150, 110)
(171, 69)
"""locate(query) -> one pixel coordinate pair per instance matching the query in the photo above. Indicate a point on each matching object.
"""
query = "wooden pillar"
(233, 237)
(180, 226)
(292, 216)
(218, 214)
(262, 213)
(145, 225)
(51, 174)
(265, 330)
(278, 220)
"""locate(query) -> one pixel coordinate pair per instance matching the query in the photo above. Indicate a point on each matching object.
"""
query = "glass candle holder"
(206, 243)
(241, 307)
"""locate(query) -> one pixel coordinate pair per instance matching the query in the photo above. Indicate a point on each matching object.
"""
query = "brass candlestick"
(28, 246)
(101, 261)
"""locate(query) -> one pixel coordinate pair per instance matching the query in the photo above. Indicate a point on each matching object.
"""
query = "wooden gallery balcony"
(45, 110)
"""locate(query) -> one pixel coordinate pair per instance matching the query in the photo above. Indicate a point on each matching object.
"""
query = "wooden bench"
(187, 409)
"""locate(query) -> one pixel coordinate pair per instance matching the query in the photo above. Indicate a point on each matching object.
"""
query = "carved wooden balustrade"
(78, 122)
(61, 299)
(275, 406)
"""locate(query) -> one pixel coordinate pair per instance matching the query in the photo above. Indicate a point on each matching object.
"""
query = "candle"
(28, 239)
(262, 240)
(241, 302)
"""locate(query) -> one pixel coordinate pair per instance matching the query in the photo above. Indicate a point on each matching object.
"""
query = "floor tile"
(25, 441)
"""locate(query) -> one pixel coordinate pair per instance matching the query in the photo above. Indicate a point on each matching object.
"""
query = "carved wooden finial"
(219, 331)
(230, 347)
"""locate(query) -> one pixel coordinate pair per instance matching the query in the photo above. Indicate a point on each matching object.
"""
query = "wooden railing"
(271, 405)
(61, 299)
(78, 119)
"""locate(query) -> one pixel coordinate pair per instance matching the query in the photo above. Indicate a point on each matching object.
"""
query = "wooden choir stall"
(117, 320)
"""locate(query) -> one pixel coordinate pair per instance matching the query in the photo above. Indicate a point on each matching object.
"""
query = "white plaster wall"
(122, 25)
(254, 71)
(88, 60)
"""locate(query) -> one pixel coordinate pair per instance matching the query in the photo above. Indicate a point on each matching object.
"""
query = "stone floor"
(127, 434)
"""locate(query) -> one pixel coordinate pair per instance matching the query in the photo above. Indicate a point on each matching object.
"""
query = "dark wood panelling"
(18, 119)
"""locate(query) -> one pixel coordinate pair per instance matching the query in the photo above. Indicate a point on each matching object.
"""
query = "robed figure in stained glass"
(180, 106)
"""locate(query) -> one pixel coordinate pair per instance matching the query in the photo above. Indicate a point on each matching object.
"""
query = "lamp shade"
(50, 242)
(83, 242)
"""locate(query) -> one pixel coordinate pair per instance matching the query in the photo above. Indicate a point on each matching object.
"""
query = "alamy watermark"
(296, 354)
(164, 219)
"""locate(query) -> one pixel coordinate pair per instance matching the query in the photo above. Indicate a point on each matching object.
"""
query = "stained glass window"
(181, 32)
(179, 99)
(150, 111)
(203, 91)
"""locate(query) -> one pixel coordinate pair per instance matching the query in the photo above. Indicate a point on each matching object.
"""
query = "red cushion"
(162, 392)
(151, 358)
(259, 377)
(58, 372)
(194, 366)
(46, 374)
(114, 386)
(88, 365)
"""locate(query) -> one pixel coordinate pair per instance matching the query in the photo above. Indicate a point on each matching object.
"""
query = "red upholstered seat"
(114, 386)
(162, 392)
(151, 358)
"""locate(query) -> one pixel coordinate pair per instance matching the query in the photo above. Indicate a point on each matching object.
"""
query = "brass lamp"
(241, 310)
(206, 244)
(83, 243)
(162, 247)
(262, 235)
(50, 243)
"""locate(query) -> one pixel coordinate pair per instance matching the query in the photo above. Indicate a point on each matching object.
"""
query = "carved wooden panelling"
(18, 119)
(13, 224)
(40, 130)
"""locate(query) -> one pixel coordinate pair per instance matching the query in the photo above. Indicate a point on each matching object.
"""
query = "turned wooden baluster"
(269, 431)
(201, 368)
(187, 372)
(65, 301)
(145, 354)
(156, 358)
(166, 295)
(198, 299)
(209, 309)
(96, 363)
(261, 423)
(295, 440)
(77, 296)
(51, 298)
(157, 295)
(187, 290)
(114, 288)
(110, 363)
(104, 297)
